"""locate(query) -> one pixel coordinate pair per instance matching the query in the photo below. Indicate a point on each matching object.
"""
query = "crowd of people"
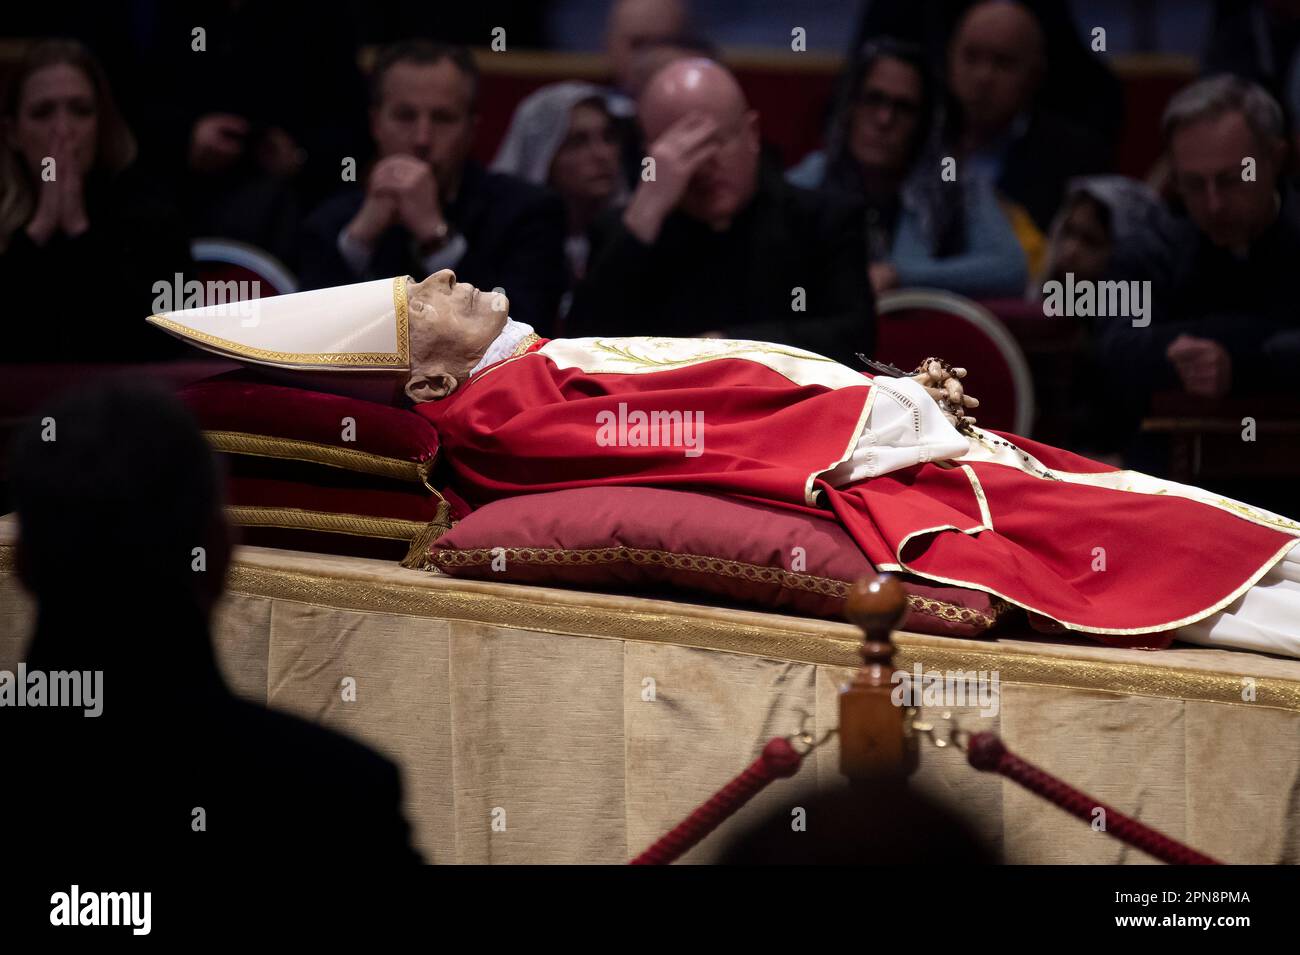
(969, 147)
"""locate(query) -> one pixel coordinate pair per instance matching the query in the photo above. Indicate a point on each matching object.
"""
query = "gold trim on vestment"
(812, 496)
(759, 348)
(348, 459)
(346, 361)
(986, 518)
(525, 343)
(698, 563)
(1097, 480)
(1156, 628)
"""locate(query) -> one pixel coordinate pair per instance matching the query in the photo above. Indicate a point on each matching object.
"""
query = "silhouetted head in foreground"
(885, 825)
(119, 512)
(123, 543)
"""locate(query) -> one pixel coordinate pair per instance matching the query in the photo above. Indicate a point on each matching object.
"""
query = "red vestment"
(527, 425)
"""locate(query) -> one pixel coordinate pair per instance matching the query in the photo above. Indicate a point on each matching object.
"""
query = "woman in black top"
(83, 236)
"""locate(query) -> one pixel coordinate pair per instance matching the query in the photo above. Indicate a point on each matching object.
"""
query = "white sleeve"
(905, 427)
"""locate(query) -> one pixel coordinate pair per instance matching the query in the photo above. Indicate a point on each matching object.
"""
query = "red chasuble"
(1118, 554)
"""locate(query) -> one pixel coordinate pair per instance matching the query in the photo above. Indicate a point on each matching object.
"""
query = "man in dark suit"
(123, 543)
(426, 206)
(716, 243)
(1218, 269)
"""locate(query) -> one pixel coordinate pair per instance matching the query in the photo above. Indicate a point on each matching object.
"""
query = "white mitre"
(361, 330)
(361, 327)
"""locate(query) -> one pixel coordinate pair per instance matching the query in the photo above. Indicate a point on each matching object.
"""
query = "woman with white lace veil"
(564, 136)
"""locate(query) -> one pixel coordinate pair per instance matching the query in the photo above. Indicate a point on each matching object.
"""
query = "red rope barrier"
(778, 760)
(985, 752)
(988, 753)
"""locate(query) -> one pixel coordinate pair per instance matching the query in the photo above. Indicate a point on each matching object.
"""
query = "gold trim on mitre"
(399, 360)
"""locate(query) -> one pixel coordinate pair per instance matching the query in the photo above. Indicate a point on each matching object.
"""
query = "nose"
(423, 134)
(62, 123)
(446, 277)
(1213, 198)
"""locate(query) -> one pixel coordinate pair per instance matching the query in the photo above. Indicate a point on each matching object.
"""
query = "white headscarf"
(538, 127)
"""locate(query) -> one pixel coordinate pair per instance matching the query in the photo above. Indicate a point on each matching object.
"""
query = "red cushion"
(309, 507)
(638, 538)
(243, 415)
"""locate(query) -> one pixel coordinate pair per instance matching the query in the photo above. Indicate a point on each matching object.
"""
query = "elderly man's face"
(726, 183)
(451, 326)
(1206, 163)
(995, 64)
(426, 112)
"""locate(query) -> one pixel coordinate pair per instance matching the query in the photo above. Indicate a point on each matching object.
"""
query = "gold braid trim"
(419, 533)
(1093, 669)
(757, 573)
(527, 342)
(347, 459)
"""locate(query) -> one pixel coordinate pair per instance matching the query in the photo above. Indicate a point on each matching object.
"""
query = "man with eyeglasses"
(1224, 317)
(713, 242)
(1223, 275)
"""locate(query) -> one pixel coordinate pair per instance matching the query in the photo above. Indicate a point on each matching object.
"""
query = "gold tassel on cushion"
(417, 555)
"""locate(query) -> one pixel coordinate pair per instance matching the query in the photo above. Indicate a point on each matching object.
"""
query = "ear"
(425, 387)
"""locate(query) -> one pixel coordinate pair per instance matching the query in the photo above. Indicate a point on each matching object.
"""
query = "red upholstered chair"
(226, 260)
(913, 324)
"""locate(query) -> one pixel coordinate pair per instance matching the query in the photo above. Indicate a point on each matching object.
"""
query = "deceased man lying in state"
(1129, 558)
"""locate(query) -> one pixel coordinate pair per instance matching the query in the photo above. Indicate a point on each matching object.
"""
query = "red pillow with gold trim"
(241, 414)
(324, 472)
(639, 538)
(327, 510)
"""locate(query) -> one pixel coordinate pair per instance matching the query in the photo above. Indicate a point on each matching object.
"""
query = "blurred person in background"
(642, 37)
(1101, 217)
(636, 25)
(75, 208)
(1259, 40)
(251, 119)
(1223, 274)
(426, 206)
(922, 231)
(994, 125)
(1077, 83)
(1222, 318)
(564, 137)
(717, 243)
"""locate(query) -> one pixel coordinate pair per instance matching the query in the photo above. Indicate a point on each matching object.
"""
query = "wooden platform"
(591, 723)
